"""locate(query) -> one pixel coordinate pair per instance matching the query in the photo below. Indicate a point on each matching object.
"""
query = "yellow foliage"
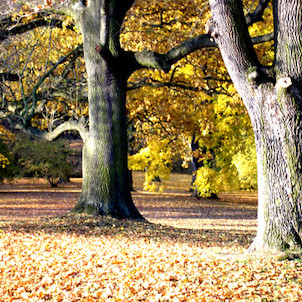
(3, 161)
(206, 182)
(246, 165)
(5, 136)
(156, 159)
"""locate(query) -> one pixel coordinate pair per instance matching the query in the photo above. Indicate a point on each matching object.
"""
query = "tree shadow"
(172, 217)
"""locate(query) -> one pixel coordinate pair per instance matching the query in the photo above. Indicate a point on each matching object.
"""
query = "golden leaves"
(83, 258)
(69, 266)
(157, 160)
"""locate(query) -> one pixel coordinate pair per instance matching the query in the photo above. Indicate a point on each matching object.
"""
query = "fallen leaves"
(82, 258)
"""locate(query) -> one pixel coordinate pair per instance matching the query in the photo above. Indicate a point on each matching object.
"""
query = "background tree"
(42, 79)
(6, 167)
(195, 99)
(36, 157)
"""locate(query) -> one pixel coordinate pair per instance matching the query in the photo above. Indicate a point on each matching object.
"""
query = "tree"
(6, 168)
(273, 99)
(276, 121)
(197, 89)
(49, 160)
(42, 72)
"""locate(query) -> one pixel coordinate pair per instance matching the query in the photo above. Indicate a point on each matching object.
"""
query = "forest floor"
(189, 250)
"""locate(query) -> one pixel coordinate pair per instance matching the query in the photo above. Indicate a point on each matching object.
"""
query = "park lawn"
(193, 250)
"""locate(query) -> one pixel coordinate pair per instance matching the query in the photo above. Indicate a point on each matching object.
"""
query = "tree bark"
(274, 106)
(105, 189)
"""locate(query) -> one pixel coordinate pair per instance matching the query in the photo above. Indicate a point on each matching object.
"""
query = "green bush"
(40, 158)
(7, 168)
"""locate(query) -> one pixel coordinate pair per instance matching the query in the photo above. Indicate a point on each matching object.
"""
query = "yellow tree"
(42, 74)
(197, 89)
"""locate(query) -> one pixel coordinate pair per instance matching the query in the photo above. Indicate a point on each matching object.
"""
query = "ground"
(189, 250)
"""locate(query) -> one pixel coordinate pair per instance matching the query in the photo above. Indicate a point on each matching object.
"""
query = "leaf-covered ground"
(194, 250)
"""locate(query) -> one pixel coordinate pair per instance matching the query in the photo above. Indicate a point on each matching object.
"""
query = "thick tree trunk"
(274, 106)
(279, 174)
(105, 188)
(279, 139)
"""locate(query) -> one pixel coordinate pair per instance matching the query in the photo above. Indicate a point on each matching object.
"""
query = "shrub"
(246, 166)
(40, 158)
(157, 160)
(206, 182)
(7, 168)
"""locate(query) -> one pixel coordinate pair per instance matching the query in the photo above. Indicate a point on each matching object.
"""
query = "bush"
(157, 160)
(246, 166)
(7, 168)
(206, 183)
(40, 158)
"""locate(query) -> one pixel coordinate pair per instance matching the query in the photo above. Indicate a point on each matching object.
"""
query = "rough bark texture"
(105, 189)
(274, 105)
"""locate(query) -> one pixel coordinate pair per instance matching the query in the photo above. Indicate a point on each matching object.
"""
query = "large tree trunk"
(279, 145)
(274, 106)
(279, 173)
(105, 188)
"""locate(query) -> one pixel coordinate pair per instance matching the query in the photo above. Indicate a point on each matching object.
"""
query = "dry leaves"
(80, 258)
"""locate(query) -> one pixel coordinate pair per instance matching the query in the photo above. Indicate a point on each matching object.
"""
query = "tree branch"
(7, 76)
(20, 29)
(50, 71)
(165, 61)
(263, 38)
(78, 126)
(257, 14)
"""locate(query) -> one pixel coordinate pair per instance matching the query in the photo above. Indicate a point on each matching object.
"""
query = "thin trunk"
(195, 164)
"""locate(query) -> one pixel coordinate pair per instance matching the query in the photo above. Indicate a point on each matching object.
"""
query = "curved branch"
(50, 71)
(165, 61)
(68, 126)
(22, 28)
(189, 46)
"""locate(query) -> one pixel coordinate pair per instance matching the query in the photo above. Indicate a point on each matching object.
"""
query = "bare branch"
(257, 14)
(10, 27)
(263, 38)
(165, 61)
(49, 72)
(7, 76)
